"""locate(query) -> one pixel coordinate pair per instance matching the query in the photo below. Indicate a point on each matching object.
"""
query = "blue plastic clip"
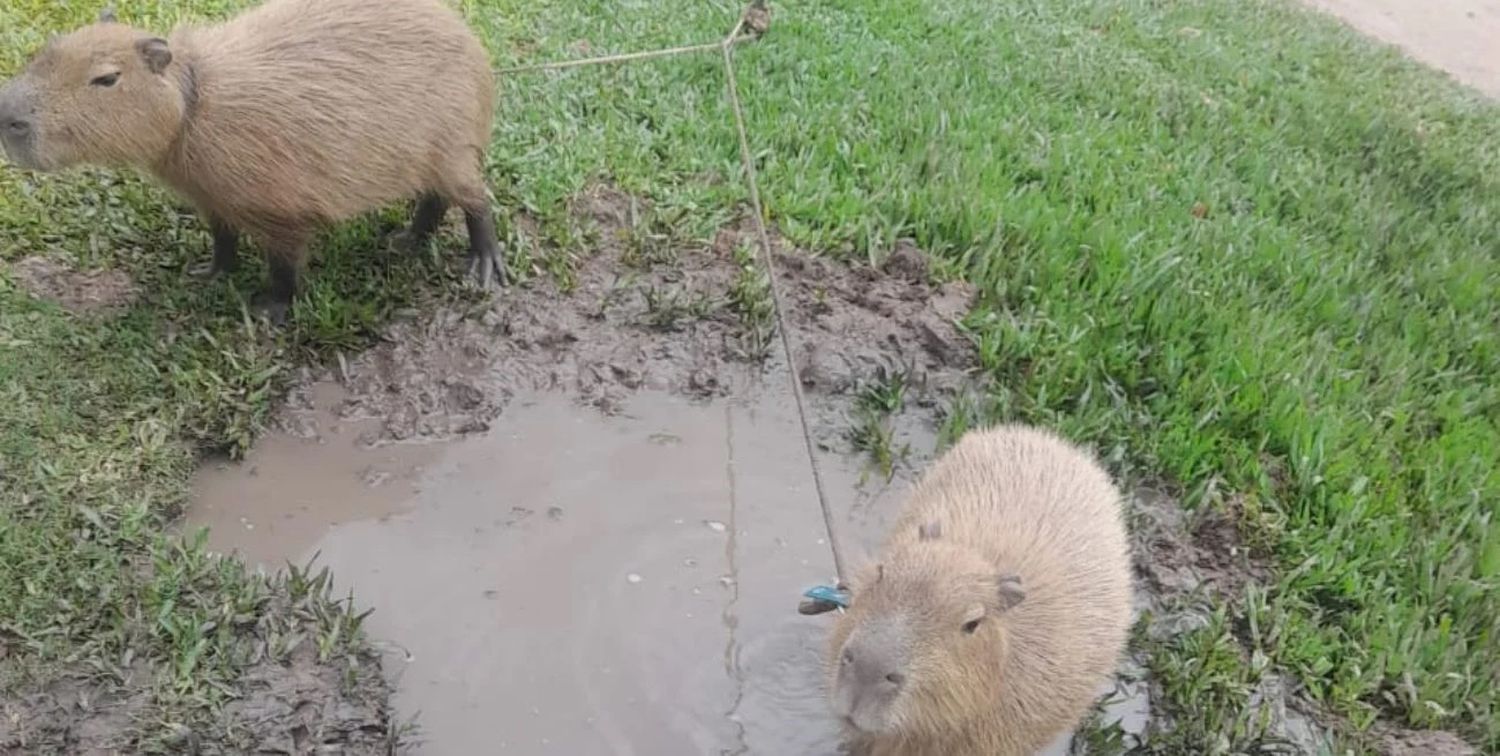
(828, 594)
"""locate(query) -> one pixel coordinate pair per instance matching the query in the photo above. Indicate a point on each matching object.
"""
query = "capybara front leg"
(226, 251)
(425, 220)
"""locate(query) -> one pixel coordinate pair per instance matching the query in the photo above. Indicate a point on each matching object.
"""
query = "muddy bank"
(301, 692)
(691, 322)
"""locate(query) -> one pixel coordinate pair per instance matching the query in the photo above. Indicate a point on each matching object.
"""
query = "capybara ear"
(930, 531)
(1011, 592)
(107, 16)
(155, 52)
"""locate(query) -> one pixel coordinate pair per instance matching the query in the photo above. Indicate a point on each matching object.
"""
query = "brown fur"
(294, 114)
(1021, 531)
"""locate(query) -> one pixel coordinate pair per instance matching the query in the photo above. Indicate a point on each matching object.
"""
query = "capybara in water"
(999, 604)
(295, 114)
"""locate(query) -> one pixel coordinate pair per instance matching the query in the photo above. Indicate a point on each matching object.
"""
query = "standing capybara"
(1000, 604)
(296, 114)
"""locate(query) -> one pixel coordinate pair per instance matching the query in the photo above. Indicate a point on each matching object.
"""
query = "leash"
(751, 25)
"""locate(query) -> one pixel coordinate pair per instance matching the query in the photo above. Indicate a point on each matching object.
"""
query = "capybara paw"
(487, 270)
(273, 311)
(208, 271)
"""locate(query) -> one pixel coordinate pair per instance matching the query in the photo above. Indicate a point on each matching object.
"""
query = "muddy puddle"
(575, 582)
(571, 581)
(585, 519)
(303, 480)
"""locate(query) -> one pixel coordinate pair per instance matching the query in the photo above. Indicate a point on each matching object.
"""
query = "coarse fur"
(292, 115)
(999, 604)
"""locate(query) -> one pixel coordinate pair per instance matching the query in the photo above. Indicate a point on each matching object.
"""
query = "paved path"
(1461, 37)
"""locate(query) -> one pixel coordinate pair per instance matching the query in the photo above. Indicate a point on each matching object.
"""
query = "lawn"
(1249, 255)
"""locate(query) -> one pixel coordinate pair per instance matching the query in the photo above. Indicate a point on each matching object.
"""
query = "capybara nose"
(868, 672)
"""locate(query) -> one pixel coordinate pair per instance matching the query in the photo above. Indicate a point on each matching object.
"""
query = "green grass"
(1320, 347)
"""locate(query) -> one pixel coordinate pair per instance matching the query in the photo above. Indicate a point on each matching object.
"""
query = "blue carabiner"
(828, 594)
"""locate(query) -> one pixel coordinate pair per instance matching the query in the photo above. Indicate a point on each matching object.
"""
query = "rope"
(621, 58)
(756, 19)
(777, 305)
(751, 25)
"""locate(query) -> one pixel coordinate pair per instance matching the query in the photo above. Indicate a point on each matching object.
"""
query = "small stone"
(715, 526)
(633, 578)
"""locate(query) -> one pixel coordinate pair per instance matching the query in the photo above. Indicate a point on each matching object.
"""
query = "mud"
(627, 325)
(304, 706)
(75, 716)
(607, 585)
(1399, 742)
(294, 502)
(288, 702)
(576, 582)
(82, 292)
(1181, 553)
(1457, 36)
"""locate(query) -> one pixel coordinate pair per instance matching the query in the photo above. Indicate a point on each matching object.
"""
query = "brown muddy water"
(572, 582)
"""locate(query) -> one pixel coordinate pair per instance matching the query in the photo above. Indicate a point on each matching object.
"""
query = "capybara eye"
(971, 626)
(107, 80)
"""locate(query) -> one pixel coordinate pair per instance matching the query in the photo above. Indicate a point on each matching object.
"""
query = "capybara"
(295, 114)
(999, 604)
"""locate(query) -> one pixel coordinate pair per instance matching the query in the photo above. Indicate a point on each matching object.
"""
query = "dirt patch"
(82, 292)
(1188, 563)
(75, 716)
(691, 321)
(304, 706)
(295, 705)
(1180, 553)
(1399, 742)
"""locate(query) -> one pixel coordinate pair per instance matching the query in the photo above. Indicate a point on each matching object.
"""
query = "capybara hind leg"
(431, 208)
(226, 251)
(464, 186)
(285, 251)
(486, 260)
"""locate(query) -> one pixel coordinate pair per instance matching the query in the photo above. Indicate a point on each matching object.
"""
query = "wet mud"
(289, 700)
(319, 468)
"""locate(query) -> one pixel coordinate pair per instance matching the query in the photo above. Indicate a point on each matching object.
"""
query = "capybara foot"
(273, 310)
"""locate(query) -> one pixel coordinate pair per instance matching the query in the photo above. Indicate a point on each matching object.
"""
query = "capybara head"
(101, 94)
(920, 649)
